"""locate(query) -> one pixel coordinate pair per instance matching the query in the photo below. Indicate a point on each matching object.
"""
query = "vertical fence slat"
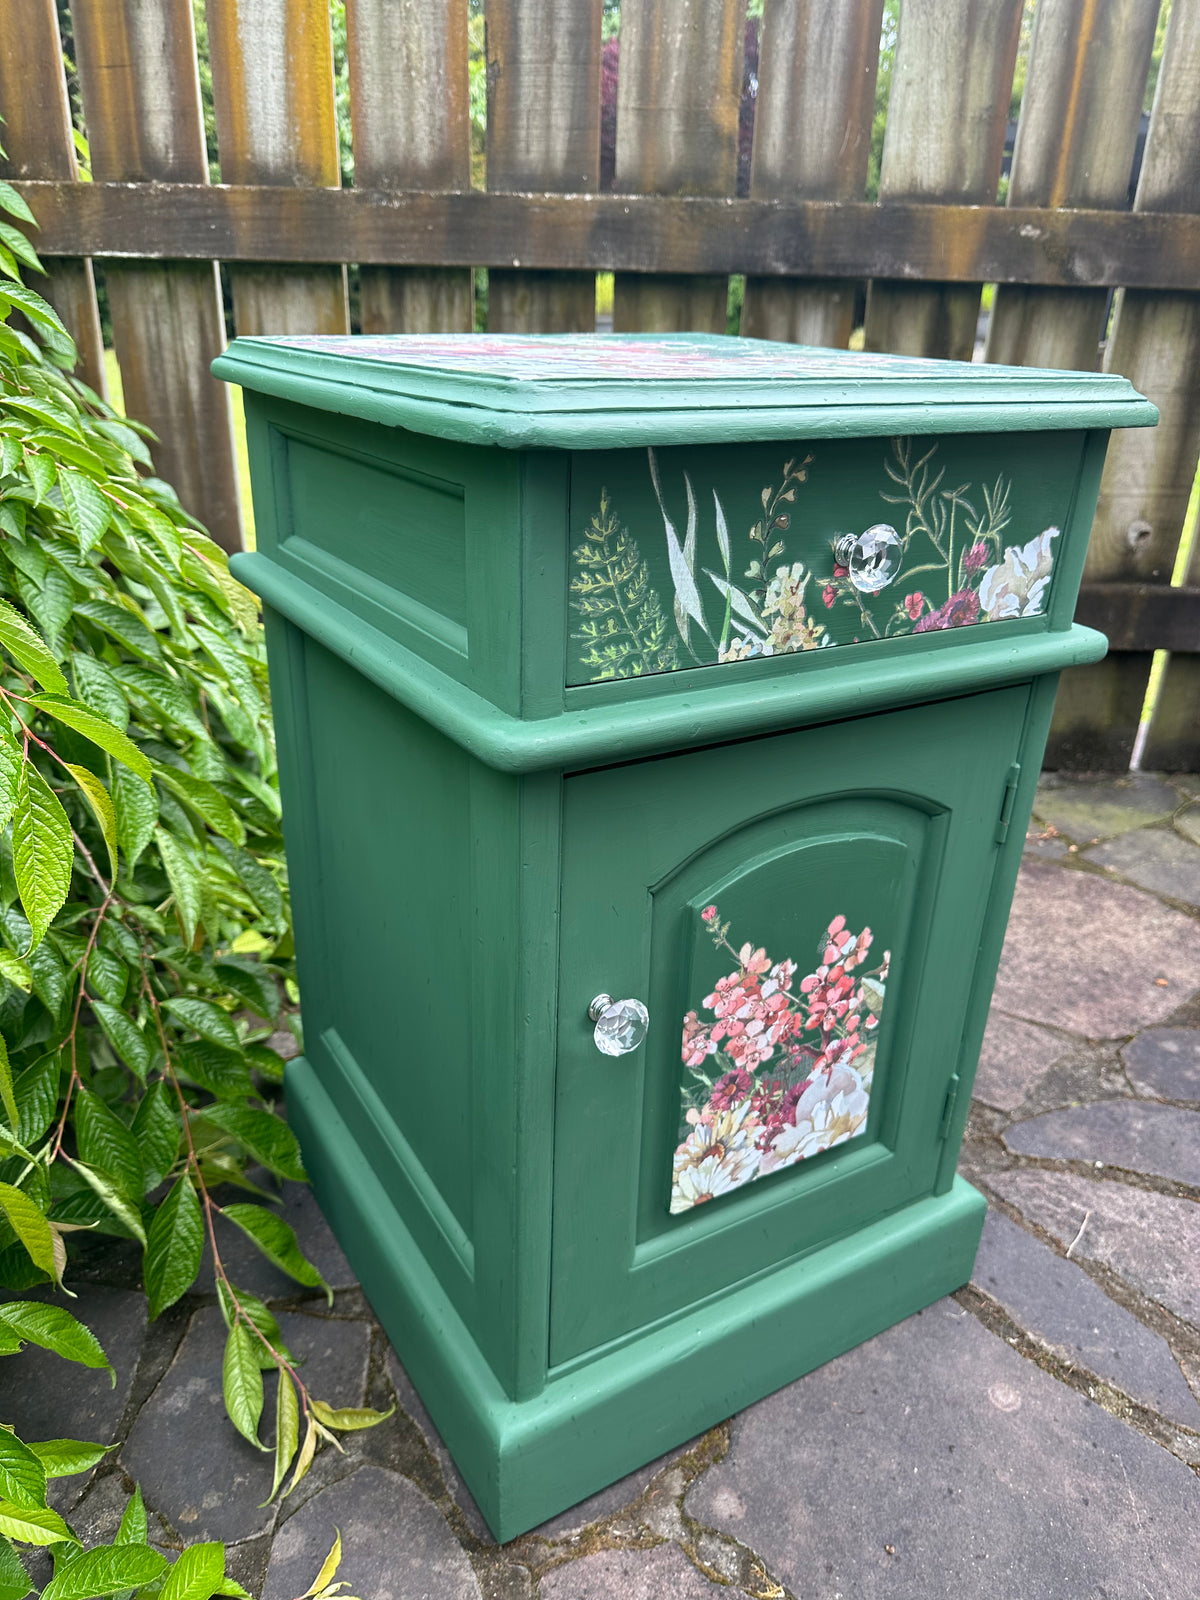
(812, 141)
(1080, 115)
(272, 69)
(543, 65)
(678, 92)
(951, 85)
(141, 101)
(1156, 343)
(36, 134)
(410, 115)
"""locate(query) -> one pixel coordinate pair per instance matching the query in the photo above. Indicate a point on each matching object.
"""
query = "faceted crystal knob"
(873, 558)
(620, 1024)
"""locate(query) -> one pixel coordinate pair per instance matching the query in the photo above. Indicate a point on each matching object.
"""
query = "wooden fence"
(670, 223)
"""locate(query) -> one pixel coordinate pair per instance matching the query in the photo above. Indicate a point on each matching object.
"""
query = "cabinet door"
(801, 915)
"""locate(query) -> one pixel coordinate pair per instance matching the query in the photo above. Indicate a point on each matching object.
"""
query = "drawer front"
(691, 557)
(801, 916)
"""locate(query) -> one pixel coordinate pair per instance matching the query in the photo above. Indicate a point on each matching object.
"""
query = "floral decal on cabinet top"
(781, 1068)
(941, 556)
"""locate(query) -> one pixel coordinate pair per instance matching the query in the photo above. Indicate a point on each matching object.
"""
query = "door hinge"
(948, 1107)
(1009, 800)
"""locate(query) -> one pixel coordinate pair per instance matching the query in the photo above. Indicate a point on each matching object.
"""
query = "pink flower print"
(961, 608)
(829, 595)
(709, 913)
(731, 1090)
(836, 926)
(914, 604)
(697, 1041)
(976, 557)
(754, 961)
(839, 571)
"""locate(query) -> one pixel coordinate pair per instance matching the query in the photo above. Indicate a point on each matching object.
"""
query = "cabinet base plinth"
(607, 1414)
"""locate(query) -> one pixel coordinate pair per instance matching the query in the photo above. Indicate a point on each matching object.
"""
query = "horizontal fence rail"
(626, 233)
(720, 159)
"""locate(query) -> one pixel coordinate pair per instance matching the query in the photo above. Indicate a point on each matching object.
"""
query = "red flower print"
(914, 604)
(709, 913)
(840, 572)
(829, 594)
(976, 557)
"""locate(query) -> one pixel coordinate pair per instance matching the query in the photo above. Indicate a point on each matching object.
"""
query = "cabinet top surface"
(597, 390)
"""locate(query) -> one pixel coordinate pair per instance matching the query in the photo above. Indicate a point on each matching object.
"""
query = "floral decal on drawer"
(781, 1067)
(937, 558)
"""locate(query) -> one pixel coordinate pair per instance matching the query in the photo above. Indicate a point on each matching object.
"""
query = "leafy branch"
(624, 629)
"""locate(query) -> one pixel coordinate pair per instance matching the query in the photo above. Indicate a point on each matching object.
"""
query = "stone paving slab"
(1162, 1141)
(935, 1462)
(1087, 955)
(1154, 858)
(395, 1544)
(1151, 1240)
(1165, 1062)
(1084, 809)
(1055, 1301)
(212, 1488)
(1015, 1055)
(664, 1573)
(40, 1393)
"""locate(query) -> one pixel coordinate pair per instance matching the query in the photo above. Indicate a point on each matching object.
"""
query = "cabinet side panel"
(378, 815)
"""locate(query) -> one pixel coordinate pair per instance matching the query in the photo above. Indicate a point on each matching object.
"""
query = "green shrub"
(144, 936)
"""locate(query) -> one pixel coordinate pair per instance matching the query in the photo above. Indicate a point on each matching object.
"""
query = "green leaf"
(136, 805)
(87, 510)
(15, 971)
(258, 880)
(28, 1222)
(56, 1330)
(156, 1129)
(225, 1073)
(64, 1458)
(197, 1575)
(22, 1475)
(262, 1135)
(35, 308)
(243, 1384)
(14, 1580)
(208, 802)
(287, 1431)
(104, 1142)
(33, 1525)
(241, 1303)
(174, 1246)
(133, 1520)
(111, 1194)
(7, 1097)
(10, 773)
(126, 1038)
(349, 1419)
(29, 651)
(36, 1092)
(96, 686)
(328, 1569)
(206, 1019)
(12, 202)
(251, 982)
(275, 1238)
(100, 801)
(305, 1459)
(184, 880)
(43, 851)
(86, 721)
(20, 246)
(108, 1569)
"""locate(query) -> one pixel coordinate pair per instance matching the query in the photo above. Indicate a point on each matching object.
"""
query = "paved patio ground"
(1036, 1435)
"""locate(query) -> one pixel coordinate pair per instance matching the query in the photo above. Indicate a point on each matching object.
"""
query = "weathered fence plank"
(812, 141)
(1080, 114)
(410, 118)
(37, 137)
(678, 90)
(1156, 343)
(543, 75)
(629, 233)
(272, 69)
(951, 83)
(141, 101)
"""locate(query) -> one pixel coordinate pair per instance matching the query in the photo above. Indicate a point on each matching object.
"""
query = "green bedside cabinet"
(659, 720)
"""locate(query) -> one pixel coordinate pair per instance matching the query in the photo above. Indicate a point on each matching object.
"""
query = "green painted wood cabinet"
(705, 677)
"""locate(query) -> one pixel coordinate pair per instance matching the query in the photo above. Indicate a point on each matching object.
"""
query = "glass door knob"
(620, 1024)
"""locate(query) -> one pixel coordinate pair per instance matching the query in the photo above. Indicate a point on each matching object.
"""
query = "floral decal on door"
(938, 561)
(781, 1068)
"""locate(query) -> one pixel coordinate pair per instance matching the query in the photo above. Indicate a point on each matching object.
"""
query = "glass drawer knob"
(872, 559)
(620, 1024)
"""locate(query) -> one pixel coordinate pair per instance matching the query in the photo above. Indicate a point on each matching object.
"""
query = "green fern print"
(625, 630)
